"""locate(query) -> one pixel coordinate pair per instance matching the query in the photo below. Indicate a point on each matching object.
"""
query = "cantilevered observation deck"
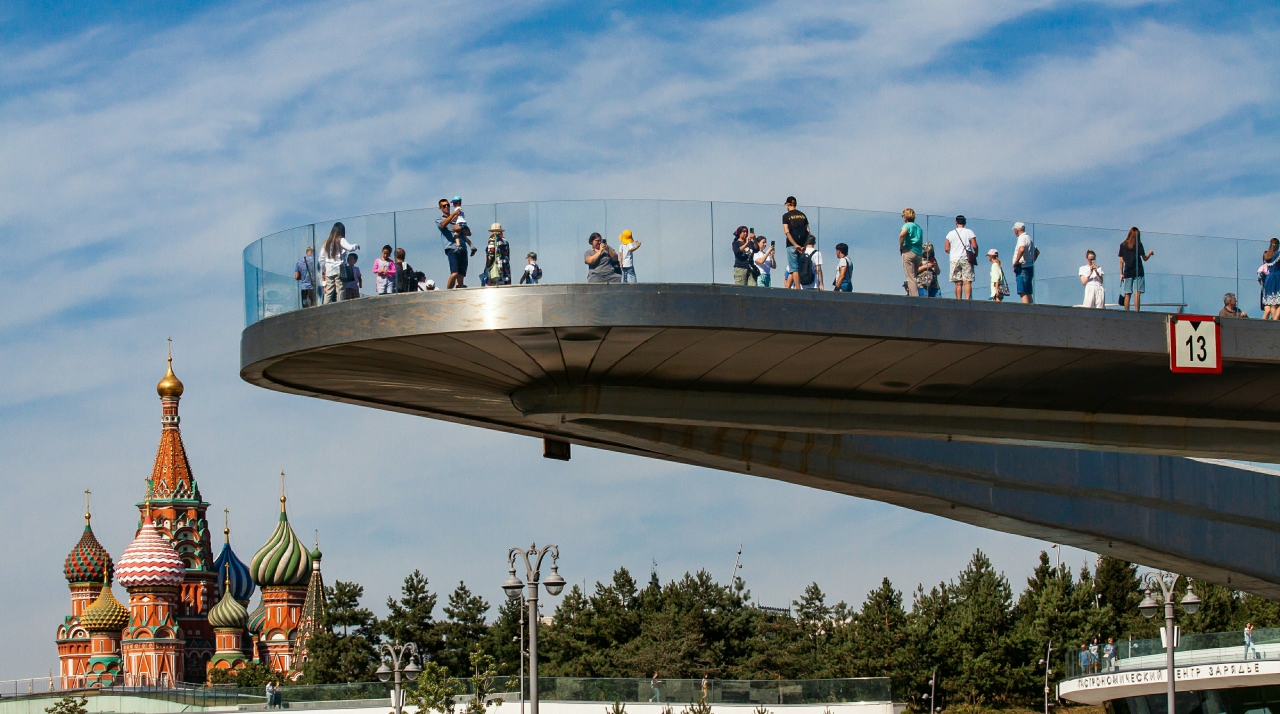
(1053, 422)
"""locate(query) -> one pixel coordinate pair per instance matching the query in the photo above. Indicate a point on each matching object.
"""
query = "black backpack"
(345, 273)
(805, 269)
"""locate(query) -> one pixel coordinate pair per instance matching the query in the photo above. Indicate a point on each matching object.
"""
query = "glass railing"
(714, 691)
(1206, 648)
(691, 242)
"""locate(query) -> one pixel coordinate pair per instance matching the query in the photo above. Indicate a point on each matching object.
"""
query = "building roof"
(105, 614)
(150, 560)
(88, 562)
(232, 570)
(283, 559)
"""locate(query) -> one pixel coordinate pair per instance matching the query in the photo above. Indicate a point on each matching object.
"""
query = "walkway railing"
(689, 242)
(1207, 648)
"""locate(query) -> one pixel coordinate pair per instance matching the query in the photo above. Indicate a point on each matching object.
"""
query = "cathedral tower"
(104, 620)
(178, 512)
(152, 572)
(282, 568)
(228, 619)
(87, 567)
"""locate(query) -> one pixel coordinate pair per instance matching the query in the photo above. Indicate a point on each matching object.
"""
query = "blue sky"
(145, 144)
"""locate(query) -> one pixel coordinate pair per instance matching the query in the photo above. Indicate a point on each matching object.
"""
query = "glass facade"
(1242, 700)
(690, 242)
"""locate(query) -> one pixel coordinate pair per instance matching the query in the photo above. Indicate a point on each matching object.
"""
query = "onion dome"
(283, 560)
(228, 614)
(150, 560)
(235, 574)
(88, 562)
(105, 614)
(170, 385)
(257, 619)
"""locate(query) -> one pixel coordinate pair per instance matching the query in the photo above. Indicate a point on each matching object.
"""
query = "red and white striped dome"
(150, 560)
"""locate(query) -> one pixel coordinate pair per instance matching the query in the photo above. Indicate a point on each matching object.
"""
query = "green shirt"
(914, 241)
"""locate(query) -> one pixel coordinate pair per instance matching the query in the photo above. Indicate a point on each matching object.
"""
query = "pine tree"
(464, 631)
(880, 639)
(411, 618)
(349, 655)
(985, 661)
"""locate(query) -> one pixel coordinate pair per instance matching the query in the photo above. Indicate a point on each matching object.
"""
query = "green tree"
(982, 658)
(252, 676)
(484, 677)
(348, 655)
(880, 645)
(436, 690)
(503, 638)
(464, 631)
(410, 619)
(69, 704)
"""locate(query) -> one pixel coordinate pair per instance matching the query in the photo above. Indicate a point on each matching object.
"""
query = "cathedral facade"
(186, 612)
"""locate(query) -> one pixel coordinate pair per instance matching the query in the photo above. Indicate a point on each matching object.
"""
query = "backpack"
(537, 272)
(805, 269)
(345, 273)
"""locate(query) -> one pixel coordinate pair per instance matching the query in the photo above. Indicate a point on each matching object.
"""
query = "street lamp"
(1048, 672)
(401, 661)
(1165, 583)
(554, 584)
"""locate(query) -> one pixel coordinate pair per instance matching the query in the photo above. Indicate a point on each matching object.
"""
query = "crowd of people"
(336, 274)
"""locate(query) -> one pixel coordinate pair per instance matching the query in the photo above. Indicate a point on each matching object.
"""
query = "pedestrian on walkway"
(844, 270)
(795, 226)
(1095, 296)
(927, 279)
(333, 255)
(384, 270)
(627, 246)
(765, 262)
(812, 260)
(602, 261)
(352, 279)
(998, 284)
(1024, 262)
(497, 258)
(1248, 642)
(743, 247)
(407, 279)
(1132, 275)
(305, 273)
(962, 245)
(532, 271)
(455, 242)
(1270, 274)
(911, 246)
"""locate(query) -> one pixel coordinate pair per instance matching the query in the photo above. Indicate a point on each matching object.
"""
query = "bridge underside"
(1054, 423)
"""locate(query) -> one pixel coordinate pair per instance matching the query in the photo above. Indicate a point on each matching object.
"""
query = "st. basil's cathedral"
(186, 612)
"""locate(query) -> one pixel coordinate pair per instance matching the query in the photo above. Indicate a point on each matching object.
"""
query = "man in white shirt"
(961, 268)
(1024, 259)
(1091, 278)
(811, 250)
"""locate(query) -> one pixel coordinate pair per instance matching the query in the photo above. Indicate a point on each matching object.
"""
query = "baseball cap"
(1020, 226)
(457, 199)
(993, 253)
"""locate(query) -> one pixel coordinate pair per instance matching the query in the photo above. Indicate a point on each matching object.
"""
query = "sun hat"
(624, 237)
(993, 253)
(495, 228)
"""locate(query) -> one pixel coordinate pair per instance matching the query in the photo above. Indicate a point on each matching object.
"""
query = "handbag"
(970, 254)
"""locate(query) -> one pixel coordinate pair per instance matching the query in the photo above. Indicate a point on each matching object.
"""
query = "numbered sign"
(1194, 344)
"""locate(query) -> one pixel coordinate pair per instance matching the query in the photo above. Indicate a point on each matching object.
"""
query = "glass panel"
(252, 282)
(872, 237)
(766, 219)
(674, 237)
(563, 228)
(282, 255)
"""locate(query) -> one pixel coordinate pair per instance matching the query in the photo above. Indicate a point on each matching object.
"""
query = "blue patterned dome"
(228, 566)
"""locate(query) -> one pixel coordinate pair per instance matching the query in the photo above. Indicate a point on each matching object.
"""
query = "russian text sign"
(1194, 344)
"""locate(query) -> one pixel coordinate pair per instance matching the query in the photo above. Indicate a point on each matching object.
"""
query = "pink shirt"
(385, 268)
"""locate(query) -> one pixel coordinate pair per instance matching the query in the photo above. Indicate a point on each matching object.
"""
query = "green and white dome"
(283, 560)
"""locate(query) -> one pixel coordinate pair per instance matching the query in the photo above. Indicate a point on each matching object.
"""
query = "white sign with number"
(1194, 344)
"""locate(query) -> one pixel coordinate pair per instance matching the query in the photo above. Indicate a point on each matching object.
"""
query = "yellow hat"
(625, 237)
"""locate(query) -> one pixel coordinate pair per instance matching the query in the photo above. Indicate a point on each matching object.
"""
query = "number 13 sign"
(1194, 344)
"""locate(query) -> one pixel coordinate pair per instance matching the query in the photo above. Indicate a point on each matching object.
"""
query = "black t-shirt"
(743, 254)
(1132, 260)
(799, 225)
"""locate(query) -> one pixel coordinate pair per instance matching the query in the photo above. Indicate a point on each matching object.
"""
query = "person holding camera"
(765, 262)
(743, 247)
(1095, 296)
(602, 261)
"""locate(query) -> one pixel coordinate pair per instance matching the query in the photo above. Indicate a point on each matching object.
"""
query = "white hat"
(495, 228)
(430, 284)
(993, 253)
(1019, 226)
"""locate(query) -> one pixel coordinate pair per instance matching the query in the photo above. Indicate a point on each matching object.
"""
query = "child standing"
(352, 279)
(844, 270)
(999, 286)
(627, 246)
(532, 273)
(385, 270)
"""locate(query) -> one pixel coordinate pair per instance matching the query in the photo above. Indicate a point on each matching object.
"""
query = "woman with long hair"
(333, 256)
(1132, 277)
(1270, 274)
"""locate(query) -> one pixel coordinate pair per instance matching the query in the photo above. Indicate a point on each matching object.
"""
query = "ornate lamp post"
(1165, 583)
(400, 657)
(554, 584)
(1048, 672)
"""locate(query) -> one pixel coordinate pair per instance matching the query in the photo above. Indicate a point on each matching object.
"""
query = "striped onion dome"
(150, 560)
(229, 614)
(105, 614)
(88, 562)
(257, 619)
(232, 569)
(283, 560)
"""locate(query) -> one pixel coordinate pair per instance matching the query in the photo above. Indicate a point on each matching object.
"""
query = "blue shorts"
(793, 259)
(457, 261)
(1025, 277)
(1129, 286)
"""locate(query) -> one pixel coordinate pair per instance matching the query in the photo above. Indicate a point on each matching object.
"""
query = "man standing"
(795, 225)
(305, 273)
(406, 278)
(911, 245)
(1095, 295)
(1229, 308)
(1024, 261)
(454, 248)
(960, 244)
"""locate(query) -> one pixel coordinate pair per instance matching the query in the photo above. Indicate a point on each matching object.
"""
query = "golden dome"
(170, 386)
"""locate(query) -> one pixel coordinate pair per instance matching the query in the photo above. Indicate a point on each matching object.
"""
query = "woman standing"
(1132, 276)
(497, 258)
(1269, 276)
(332, 256)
